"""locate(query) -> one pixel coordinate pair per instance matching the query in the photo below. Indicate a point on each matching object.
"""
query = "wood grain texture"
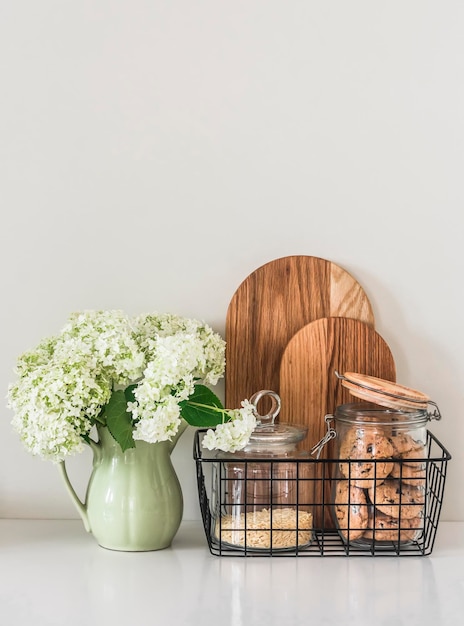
(382, 392)
(309, 389)
(271, 305)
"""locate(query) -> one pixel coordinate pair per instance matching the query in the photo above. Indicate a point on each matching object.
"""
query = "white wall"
(154, 153)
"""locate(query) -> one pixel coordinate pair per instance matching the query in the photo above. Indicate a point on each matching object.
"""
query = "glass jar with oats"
(262, 495)
(380, 486)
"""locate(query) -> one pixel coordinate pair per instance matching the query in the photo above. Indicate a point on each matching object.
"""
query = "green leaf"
(203, 408)
(129, 393)
(119, 420)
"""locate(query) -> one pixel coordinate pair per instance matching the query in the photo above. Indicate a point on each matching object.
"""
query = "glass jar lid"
(269, 435)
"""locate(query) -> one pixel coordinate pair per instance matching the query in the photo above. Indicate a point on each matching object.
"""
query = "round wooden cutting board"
(309, 388)
(272, 304)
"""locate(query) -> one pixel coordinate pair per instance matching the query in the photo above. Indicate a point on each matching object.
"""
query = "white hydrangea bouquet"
(143, 377)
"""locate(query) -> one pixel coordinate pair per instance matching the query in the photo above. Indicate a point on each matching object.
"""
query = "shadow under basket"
(239, 529)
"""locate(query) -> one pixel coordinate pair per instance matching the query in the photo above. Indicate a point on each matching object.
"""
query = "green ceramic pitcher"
(134, 498)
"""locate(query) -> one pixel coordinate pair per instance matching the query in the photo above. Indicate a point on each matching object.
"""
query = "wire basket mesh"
(308, 525)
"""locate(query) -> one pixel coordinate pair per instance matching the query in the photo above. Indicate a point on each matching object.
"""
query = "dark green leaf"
(203, 408)
(129, 393)
(119, 421)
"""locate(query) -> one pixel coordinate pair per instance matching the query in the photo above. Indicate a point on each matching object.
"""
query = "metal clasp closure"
(330, 434)
(436, 415)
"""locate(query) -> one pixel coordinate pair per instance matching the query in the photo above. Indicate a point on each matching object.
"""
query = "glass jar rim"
(371, 414)
(278, 434)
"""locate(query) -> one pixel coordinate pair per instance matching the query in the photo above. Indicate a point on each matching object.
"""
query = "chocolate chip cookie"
(413, 474)
(407, 448)
(397, 499)
(382, 527)
(351, 510)
(363, 445)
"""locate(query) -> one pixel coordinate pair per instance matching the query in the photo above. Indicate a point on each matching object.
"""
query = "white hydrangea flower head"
(107, 337)
(234, 434)
(65, 383)
(161, 424)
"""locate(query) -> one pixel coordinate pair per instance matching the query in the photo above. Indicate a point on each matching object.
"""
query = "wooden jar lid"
(383, 392)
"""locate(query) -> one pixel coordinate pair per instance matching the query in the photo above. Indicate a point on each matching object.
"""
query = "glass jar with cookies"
(380, 486)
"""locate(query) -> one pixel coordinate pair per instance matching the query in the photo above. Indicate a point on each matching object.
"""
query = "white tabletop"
(52, 573)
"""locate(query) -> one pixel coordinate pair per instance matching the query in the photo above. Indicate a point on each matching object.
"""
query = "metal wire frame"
(325, 541)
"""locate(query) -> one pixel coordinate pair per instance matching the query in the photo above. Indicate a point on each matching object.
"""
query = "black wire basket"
(311, 526)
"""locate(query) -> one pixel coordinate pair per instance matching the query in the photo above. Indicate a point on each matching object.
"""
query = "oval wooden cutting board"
(271, 305)
(309, 388)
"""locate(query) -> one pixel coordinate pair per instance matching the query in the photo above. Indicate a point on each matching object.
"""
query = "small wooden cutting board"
(309, 388)
(271, 305)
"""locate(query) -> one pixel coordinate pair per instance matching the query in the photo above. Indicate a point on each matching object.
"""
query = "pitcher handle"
(80, 506)
(74, 497)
